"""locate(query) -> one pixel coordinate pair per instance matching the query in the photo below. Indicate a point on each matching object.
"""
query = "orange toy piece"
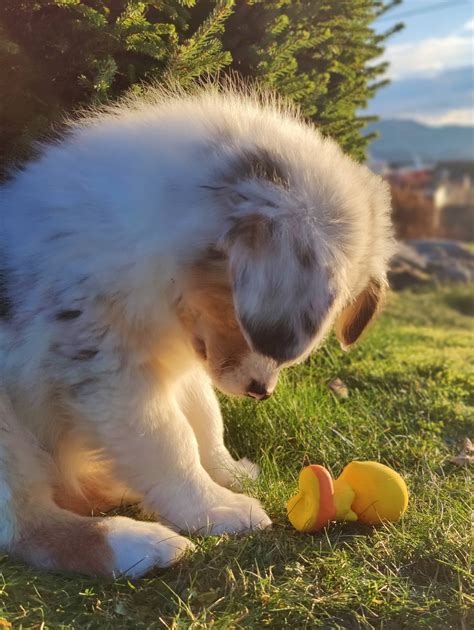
(368, 492)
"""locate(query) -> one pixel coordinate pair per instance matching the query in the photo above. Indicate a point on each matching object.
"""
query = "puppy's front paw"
(247, 468)
(239, 514)
(140, 546)
(232, 473)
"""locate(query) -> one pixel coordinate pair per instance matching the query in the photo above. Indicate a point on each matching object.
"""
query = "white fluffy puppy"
(160, 248)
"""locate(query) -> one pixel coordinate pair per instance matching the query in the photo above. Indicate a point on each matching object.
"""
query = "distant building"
(432, 200)
(453, 193)
(454, 199)
(412, 186)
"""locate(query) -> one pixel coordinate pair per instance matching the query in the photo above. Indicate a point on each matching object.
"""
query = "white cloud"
(464, 116)
(430, 56)
(469, 26)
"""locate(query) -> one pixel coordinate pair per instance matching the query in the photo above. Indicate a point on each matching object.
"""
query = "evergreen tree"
(318, 53)
(57, 55)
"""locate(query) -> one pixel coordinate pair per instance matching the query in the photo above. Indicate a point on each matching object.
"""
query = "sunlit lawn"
(411, 385)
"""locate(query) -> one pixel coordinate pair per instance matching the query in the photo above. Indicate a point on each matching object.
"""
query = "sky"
(431, 63)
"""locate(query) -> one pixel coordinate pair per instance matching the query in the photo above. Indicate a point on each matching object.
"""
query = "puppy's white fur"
(162, 247)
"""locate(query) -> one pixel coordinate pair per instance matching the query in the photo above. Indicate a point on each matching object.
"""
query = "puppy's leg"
(155, 452)
(55, 539)
(86, 483)
(96, 492)
(34, 529)
(201, 407)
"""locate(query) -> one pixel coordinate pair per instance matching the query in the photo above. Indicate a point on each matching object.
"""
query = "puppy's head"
(301, 248)
(264, 303)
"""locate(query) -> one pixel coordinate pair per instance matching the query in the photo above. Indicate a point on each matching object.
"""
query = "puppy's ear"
(281, 293)
(356, 315)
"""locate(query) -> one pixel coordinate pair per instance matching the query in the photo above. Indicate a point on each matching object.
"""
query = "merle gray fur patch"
(86, 354)
(87, 385)
(6, 306)
(277, 340)
(68, 314)
(305, 255)
(258, 163)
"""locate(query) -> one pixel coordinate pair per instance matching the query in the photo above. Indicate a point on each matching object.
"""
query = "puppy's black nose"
(257, 390)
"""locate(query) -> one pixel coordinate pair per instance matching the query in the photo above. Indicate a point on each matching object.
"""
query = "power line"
(430, 9)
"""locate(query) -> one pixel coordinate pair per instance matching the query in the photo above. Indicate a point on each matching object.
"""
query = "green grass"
(411, 396)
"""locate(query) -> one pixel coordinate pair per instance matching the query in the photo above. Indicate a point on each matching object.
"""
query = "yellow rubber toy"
(368, 492)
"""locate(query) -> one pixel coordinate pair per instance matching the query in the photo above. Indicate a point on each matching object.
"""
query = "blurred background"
(425, 144)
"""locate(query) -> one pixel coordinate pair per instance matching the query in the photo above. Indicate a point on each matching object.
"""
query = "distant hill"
(406, 140)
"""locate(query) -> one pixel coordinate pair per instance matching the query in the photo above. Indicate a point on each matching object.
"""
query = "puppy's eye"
(200, 347)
